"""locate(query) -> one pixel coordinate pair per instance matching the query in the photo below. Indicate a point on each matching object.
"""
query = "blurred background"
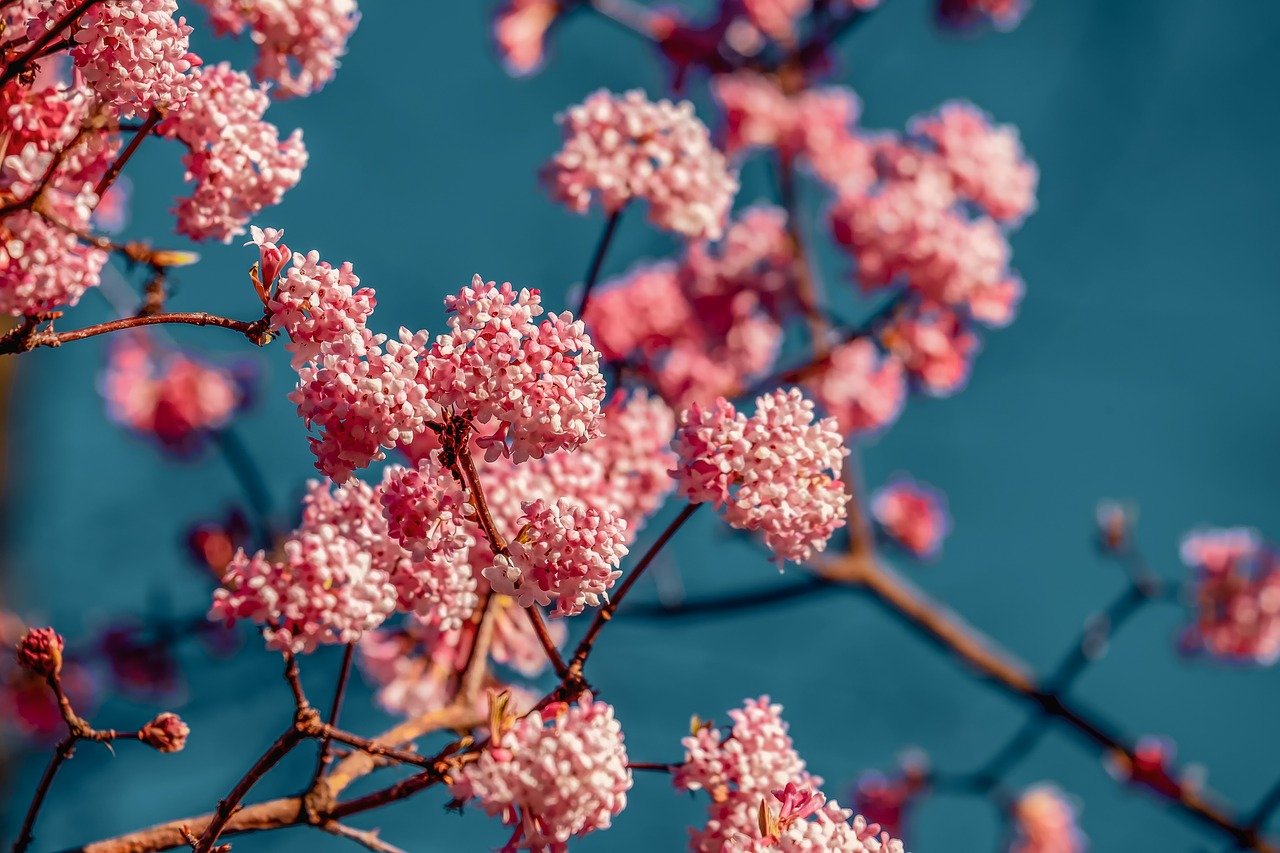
(1141, 367)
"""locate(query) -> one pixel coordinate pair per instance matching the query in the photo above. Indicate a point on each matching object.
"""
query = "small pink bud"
(40, 651)
(166, 733)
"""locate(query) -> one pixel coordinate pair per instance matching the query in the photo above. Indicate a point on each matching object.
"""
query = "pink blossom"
(361, 394)
(966, 14)
(777, 18)
(709, 324)
(770, 473)
(135, 55)
(324, 590)
(1045, 821)
(733, 826)
(986, 161)
(166, 395)
(1235, 595)
(42, 265)
(755, 768)
(1151, 765)
(314, 303)
(910, 229)
(759, 114)
(755, 757)
(437, 585)
(426, 513)
(539, 382)
(299, 41)
(520, 32)
(563, 553)
(166, 733)
(621, 147)
(861, 388)
(40, 651)
(935, 345)
(914, 515)
(886, 799)
(552, 777)
(238, 161)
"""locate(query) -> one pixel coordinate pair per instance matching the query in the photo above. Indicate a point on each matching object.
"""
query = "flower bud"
(166, 733)
(40, 651)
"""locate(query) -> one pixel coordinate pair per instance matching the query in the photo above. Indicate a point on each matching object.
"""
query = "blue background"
(1142, 366)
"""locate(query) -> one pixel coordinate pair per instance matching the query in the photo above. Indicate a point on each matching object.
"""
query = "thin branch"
(548, 644)
(597, 261)
(605, 613)
(736, 602)
(19, 63)
(281, 747)
(335, 711)
(61, 753)
(365, 837)
(113, 171)
(27, 337)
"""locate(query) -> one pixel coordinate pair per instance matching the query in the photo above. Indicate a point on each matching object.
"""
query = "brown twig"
(335, 711)
(113, 171)
(597, 261)
(548, 644)
(605, 613)
(28, 336)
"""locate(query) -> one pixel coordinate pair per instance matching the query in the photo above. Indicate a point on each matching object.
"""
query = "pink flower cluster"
(520, 32)
(438, 584)
(238, 161)
(707, 325)
(323, 590)
(762, 796)
(540, 382)
(44, 263)
(623, 147)
(564, 553)
(777, 18)
(966, 14)
(362, 394)
(299, 41)
(986, 161)
(136, 56)
(1045, 822)
(813, 126)
(862, 388)
(552, 776)
(535, 387)
(775, 473)
(1235, 595)
(913, 515)
(313, 302)
(166, 395)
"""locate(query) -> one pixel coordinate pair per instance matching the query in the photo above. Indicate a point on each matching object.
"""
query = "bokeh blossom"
(520, 32)
(299, 41)
(1045, 822)
(623, 147)
(1234, 596)
(913, 515)
(168, 396)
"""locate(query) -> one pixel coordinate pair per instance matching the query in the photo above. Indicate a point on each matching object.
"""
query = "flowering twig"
(366, 837)
(18, 64)
(28, 337)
